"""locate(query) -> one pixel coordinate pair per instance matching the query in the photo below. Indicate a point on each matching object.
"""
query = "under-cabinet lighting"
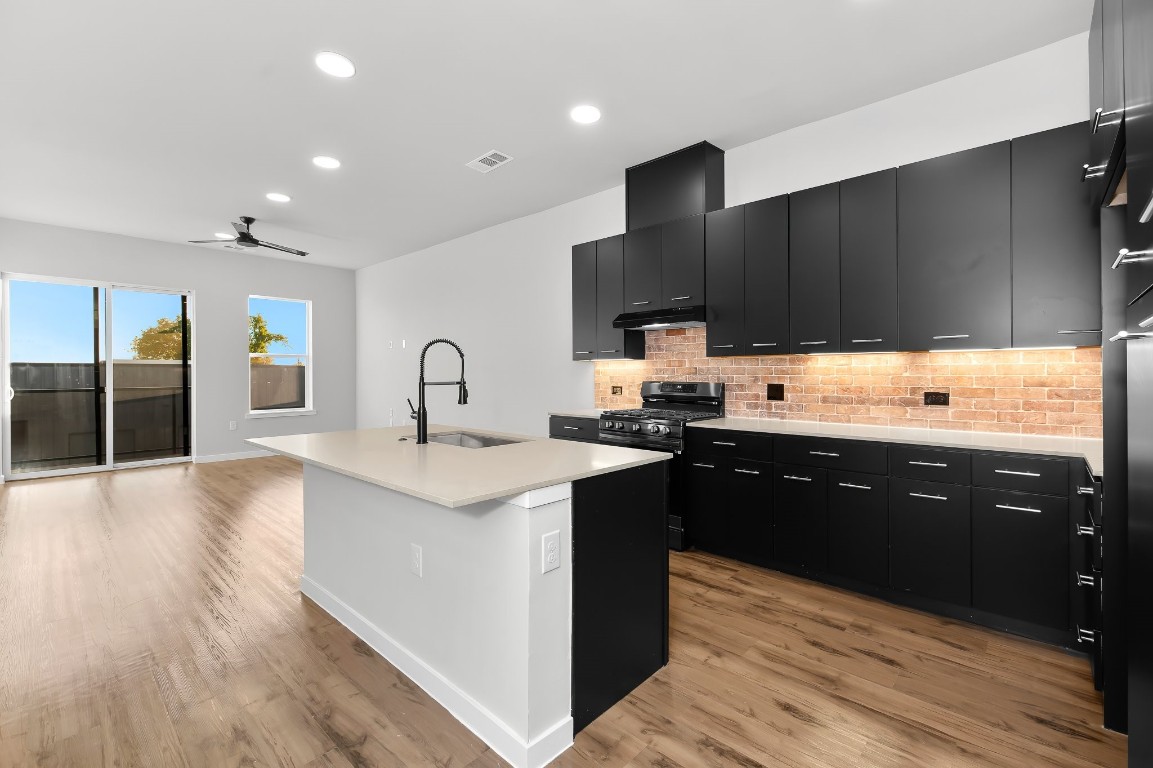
(278, 197)
(654, 326)
(334, 64)
(323, 161)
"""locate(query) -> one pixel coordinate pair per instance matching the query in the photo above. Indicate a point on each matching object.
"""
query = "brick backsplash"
(1037, 392)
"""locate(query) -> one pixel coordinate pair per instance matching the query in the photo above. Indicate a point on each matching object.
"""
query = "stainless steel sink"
(471, 440)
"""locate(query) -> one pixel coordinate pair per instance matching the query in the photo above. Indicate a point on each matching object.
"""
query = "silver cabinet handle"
(718, 442)
(929, 496)
(609, 351)
(1126, 336)
(761, 344)
(1086, 635)
(583, 352)
(824, 453)
(1016, 472)
(641, 303)
(928, 464)
(1096, 119)
(1086, 490)
(1092, 171)
(811, 343)
(952, 336)
(723, 346)
(747, 471)
(1011, 508)
(867, 341)
(576, 428)
(706, 466)
(1126, 256)
(854, 485)
(1083, 580)
(1085, 330)
(680, 298)
(798, 477)
(1084, 530)
(1146, 212)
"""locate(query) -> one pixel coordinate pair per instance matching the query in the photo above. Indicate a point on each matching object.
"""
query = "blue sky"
(52, 323)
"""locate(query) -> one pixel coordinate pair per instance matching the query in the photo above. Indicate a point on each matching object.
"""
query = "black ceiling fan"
(245, 239)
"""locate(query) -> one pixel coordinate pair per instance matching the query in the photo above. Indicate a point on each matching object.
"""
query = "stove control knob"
(664, 430)
(619, 425)
(635, 427)
(654, 429)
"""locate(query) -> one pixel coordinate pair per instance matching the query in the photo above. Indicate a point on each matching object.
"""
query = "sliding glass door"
(72, 406)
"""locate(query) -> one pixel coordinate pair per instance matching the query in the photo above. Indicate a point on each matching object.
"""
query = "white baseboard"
(491, 730)
(209, 459)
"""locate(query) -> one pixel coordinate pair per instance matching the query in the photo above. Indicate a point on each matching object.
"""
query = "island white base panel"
(482, 630)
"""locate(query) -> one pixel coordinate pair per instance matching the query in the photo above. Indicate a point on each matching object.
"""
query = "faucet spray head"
(462, 398)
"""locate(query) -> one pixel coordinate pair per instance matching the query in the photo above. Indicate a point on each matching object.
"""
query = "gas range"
(669, 406)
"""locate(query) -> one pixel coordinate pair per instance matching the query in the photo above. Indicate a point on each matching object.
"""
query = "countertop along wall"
(504, 293)
(222, 281)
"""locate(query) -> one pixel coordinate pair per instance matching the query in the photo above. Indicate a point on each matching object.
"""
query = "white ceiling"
(168, 120)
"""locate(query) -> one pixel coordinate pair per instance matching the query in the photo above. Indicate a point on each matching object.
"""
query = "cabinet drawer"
(1021, 556)
(573, 428)
(1021, 473)
(846, 455)
(931, 464)
(725, 442)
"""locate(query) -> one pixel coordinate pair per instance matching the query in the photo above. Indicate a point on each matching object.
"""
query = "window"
(279, 356)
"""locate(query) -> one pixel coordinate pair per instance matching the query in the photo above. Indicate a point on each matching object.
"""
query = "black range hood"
(659, 319)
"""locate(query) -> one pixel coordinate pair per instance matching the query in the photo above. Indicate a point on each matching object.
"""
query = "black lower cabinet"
(929, 540)
(800, 517)
(730, 508)
(620, 582)
(859, 527)
(1021, 556)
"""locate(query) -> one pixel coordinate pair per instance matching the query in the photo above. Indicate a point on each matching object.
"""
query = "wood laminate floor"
(151, 618)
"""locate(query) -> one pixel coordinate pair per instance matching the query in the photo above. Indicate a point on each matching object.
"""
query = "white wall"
(504, 293)
(222, 282)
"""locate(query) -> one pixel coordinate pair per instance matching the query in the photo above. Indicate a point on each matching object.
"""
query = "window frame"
(308, 357)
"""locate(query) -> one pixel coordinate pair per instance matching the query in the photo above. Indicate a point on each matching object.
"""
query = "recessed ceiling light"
(278, 197)
(326, 162)
(335, 64)
(585, 113)
(225, 236)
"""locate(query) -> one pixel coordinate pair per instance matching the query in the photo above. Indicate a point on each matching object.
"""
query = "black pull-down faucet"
(420, 414)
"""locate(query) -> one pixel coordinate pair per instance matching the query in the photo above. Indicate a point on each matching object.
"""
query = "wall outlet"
(618, 390)
(390, 417)
(390, 345)
(416, 560)
(550, 552)
(774, 391)
(936, 398)
(232, 426)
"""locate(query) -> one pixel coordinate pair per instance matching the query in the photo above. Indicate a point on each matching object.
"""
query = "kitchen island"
(436, 555)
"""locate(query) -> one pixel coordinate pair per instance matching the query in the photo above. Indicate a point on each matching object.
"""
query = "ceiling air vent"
(489, 160)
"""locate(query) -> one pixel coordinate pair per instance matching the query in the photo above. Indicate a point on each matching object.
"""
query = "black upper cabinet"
(1056, 243)
(954, 271)
(725, 281)
(814, 270)
(642, 249)
(584, 301)
(1106, 96)
(869, 263)
(683, 263)
(688, 182)
(610, 297)
(767, 276)
(1138, 34)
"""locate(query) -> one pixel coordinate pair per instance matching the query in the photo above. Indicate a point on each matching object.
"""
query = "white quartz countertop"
(1090, 448)
(587, 413)
(451, 475)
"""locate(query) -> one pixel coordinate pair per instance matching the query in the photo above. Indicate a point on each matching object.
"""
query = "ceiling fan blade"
(276, 247)
(241, 229)
(218, 240)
